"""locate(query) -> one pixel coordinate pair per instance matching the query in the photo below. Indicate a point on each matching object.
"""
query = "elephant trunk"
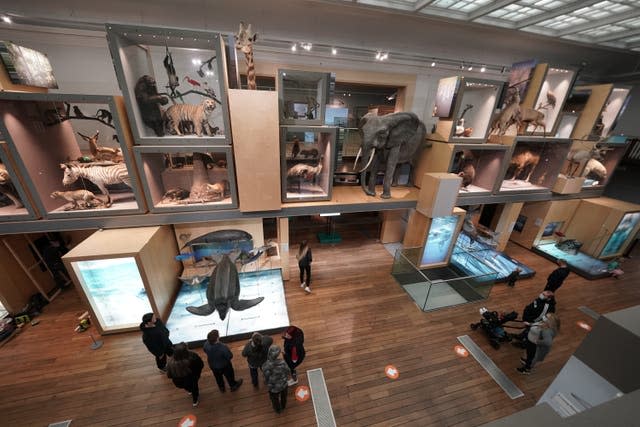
(373, 153)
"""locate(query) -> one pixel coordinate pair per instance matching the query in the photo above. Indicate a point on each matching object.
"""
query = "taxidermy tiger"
(198, 115)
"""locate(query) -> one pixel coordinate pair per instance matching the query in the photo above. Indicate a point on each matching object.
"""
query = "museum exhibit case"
(187, 178)
(302, 96)
(590, 102)
(534, 164)
(614, 107)
(555, 89)
(479, 165)
(566, 122)
(124, 273)
(174, 83)
(307, 156)
(348, 144)
(465, 106)
(15, 204)
(73, 153)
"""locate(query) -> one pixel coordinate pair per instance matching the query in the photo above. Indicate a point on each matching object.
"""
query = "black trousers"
(226, 372)
(279, 400)
(531, 353)
(161, 361)
(305, 269)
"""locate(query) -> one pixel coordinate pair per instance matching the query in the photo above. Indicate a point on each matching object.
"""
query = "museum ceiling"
(607, 23)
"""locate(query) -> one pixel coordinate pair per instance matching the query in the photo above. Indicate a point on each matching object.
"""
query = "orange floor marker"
(391, 372)
(188, 421)
(584, 325)
(302, 393)
(461, 351)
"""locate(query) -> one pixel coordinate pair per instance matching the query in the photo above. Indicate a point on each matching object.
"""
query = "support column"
(283, 241)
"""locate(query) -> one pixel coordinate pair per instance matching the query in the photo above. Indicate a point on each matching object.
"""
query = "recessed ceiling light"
(433, 64)
(334, 51)
(483, 69)
(6, 19)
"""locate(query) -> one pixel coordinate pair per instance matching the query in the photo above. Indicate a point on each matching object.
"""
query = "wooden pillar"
(417, 229)
(505, 223)
(394, 224)
(283, 241)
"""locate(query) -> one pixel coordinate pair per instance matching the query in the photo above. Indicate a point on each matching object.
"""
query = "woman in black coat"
(185, 369)
(293, 350)
(305, 258)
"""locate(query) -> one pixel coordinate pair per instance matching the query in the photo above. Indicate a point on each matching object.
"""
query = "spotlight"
(6, 20)
(462, 66)
(378, 56)
(294, 47)
(306, 46)
(385, 56)
(483, 69)
(470, 68)
(334, 51)
(433, 64)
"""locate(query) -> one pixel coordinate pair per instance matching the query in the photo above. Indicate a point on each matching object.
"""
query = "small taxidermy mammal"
(104, 115)
(80, 199)
(174, 194)
(197, 114)
(312, 152)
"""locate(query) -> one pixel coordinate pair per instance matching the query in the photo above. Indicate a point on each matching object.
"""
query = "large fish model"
(223, 292)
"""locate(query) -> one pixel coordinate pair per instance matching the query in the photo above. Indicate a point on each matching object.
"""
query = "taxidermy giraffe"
(244, 42)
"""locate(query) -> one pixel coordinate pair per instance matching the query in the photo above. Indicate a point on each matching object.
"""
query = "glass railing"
(436, 288)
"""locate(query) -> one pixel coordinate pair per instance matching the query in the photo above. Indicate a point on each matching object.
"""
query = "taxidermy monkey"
(80, 199)
(77, 112)
(104, 115)
(465, 168)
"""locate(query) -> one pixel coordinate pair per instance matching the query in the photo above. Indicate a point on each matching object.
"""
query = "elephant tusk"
(357, 157)
(373, 152)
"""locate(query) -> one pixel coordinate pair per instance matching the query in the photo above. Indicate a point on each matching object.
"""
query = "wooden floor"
(356, 321)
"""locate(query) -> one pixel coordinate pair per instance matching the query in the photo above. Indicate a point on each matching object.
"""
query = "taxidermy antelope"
(525, 160)
(88, 199)
(508, 116)
(102, 153)
(580, 157)
(244, 42)
(530, 116)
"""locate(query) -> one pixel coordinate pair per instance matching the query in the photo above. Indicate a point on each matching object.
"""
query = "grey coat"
(275, 370)
(256, 357)
(543, 345)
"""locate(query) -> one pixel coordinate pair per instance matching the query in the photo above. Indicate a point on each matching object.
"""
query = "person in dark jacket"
(256, 353)
(293, 350)
(557, 276)
(305, 258)
(543, 304)
(219, 358)
(276, 373)
(184, 369)
(539, 341)
(156, 337)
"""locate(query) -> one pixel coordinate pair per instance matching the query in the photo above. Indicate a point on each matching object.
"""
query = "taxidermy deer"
(525, 160)
(102, 153)
(580, 157)
(510, 115)
(88, 199)
(530, 116)
(244, 42)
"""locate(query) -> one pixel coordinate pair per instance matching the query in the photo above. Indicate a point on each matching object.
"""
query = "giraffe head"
(245, 38)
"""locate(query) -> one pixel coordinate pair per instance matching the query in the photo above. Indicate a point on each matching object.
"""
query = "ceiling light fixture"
(334, 51)
(294, 47)
(483, 69)
(306, 46)
(6, 20)
(470, 68)
(433, 64)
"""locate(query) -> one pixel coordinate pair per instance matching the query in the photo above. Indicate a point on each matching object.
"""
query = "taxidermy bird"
(191, 81)
(77, 112)
(174, 82)
(551, 101)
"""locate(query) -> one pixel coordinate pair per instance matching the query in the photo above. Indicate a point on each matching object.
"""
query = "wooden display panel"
(435, 158)
(154, 251)
(537, 215)
(438, 194)
(505, 223)
(256, 149)
(592, 110)
(394, 224)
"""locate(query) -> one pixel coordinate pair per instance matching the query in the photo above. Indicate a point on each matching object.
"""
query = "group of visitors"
(184, 367)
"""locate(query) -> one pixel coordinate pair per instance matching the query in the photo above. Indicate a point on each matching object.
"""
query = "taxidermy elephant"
(388, 141)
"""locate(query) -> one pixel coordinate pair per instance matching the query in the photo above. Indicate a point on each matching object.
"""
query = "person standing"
(156, 337)
(539, 341)
(557, 276)
(293, 350)
(513, 276)
(276, 373)
(305, 258)
(256, 351)
(184, 370)
(219, 358)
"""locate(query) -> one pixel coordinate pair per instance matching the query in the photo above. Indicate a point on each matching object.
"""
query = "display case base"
(269, 315)
(580, 263)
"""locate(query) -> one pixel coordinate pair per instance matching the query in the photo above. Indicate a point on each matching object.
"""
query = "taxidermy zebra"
(101, 176)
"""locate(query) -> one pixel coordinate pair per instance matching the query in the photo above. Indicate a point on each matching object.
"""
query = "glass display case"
(307, 156)
(566, 123)
(478, 165)
(613, 109)
(174, 83)
(347, 147)
(534, 164)
(73, 153)
(302, 96)
(473, 107)
(115, 291)
(439, 240)
(598, 169)
(551, 98)
(14, 202)
(187, 177)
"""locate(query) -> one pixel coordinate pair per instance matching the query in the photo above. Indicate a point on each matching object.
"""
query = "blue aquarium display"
(479, 259)
(579, 262)
(621, 234)
(115, 291)
(271, 313)
(439, 240)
